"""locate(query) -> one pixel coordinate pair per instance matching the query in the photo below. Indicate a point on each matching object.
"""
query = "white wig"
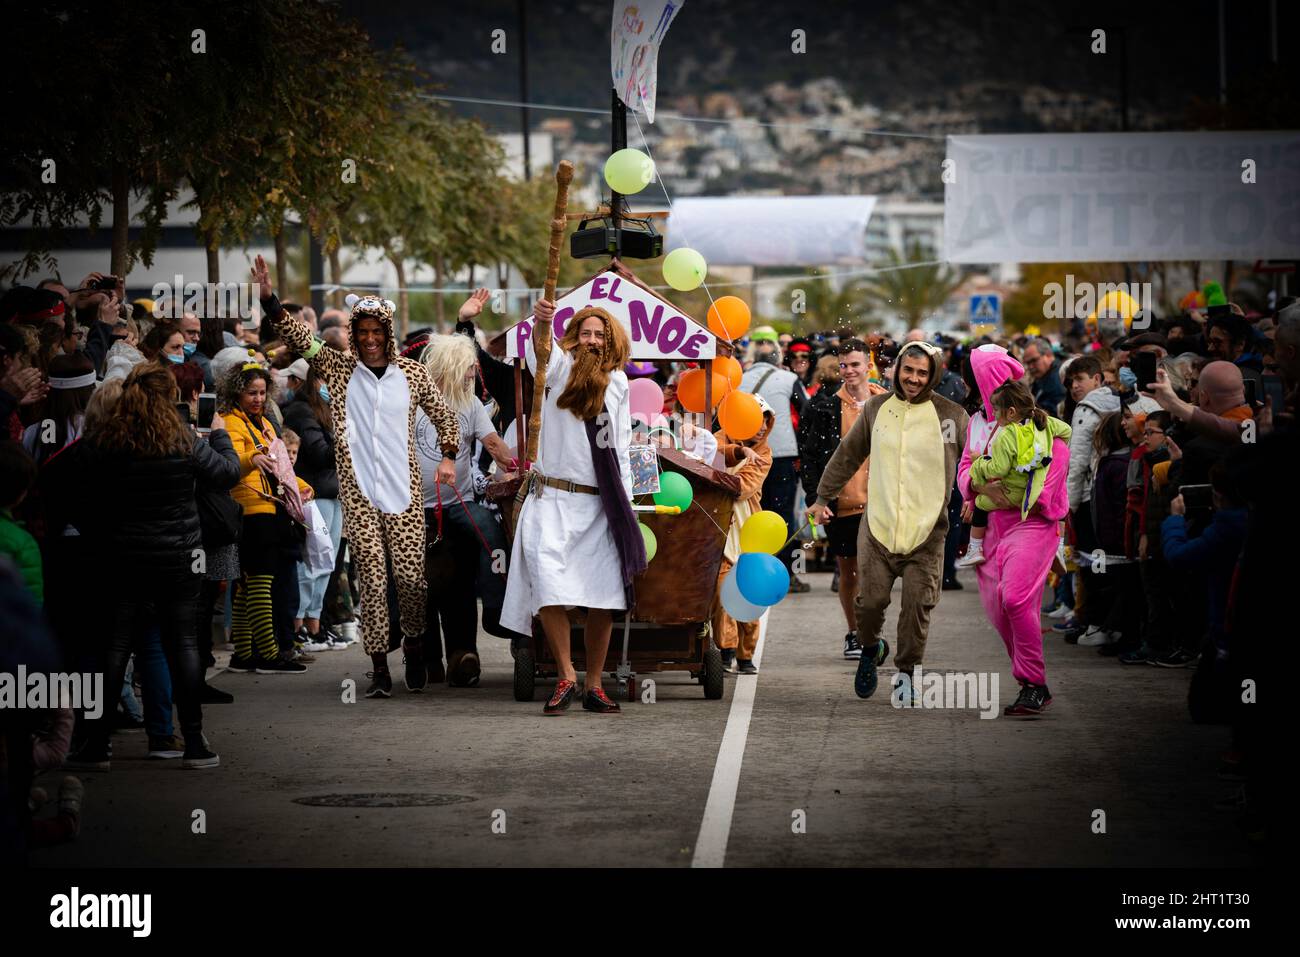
(450, 359)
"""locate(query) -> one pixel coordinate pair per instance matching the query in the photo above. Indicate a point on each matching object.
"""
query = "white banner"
(1114, 197)
(638, 29)
(659, 330)
(772, 230)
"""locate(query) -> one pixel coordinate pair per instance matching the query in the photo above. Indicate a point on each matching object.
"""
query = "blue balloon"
(762, 579)
(733, 602)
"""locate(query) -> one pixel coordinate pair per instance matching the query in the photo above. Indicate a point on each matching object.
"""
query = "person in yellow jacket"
(749, 461)
(267, 527)
(914, 437)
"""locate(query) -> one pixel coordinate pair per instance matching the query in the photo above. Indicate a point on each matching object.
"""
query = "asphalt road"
(820, 778)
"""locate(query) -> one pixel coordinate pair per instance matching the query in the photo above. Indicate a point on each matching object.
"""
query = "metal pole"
(618, 141)
(1223, 56)
(1272, 22)
(523, 85)
(316, 270)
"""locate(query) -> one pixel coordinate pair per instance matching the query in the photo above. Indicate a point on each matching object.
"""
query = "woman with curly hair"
(144, 449)
(267, 528)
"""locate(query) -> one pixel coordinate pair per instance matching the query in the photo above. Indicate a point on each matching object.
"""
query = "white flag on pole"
(638, 29)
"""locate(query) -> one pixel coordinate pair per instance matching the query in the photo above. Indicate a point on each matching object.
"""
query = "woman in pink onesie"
(1018, 552)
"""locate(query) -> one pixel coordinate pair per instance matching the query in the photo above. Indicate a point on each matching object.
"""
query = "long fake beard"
(584, 393)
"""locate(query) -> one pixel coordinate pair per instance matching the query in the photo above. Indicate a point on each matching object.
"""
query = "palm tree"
(908, 292)
(815, 302)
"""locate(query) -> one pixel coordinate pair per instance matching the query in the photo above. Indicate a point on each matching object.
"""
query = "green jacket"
(1019, 456)
(18, 544)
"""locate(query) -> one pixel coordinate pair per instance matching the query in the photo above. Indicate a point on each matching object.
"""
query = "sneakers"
(745, 666)
(71, 793)
(864, 682)
(1032, 701)
(904, 694)
(166, 748)
(1138, 656)
(211, 695)
(974, 555)
(242, 665)
(1068, 624)
(463, 669)
(198, 755)
(281, 666)
(381, 684)
(348, 631)
(798, 585)
(565, 692)
(309, 642)
(335, 640)
(852, 649)
(729, 664)
(1176, 659)
(1096, 635)
(90, 757)
(835, 581)
(1061, 611)
(125, 721)
(596, 700)
(951, 584)
(417, 675)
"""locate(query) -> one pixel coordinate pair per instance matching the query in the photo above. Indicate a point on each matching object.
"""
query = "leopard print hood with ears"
(373, 307)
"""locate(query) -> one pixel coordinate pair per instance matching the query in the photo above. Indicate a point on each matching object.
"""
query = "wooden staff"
(542, 330)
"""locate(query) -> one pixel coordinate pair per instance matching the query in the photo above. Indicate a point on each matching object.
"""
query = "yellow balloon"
(684, 269)
(763, 532)
(629, 171)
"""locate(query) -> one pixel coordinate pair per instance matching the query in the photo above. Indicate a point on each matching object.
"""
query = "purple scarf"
(618, 510)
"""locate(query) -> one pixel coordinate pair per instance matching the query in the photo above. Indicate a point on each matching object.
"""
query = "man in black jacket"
(828, 417)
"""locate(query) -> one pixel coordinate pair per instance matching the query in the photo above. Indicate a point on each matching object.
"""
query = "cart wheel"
(525, 674)
(631, 688)
(712, 672)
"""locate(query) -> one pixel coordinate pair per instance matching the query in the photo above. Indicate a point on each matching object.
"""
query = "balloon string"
(662, 186)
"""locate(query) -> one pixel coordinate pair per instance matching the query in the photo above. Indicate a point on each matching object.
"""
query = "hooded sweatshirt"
(375, 452)
(992, 367)
(1097, 404)
(914, 445)
(1019, 455)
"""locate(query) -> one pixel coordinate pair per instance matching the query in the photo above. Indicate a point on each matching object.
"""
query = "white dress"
(563, 551)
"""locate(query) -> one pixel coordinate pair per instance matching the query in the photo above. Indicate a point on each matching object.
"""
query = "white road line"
(715, 828)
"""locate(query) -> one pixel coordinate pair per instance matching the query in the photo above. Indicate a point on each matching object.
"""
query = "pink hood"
(993, 366)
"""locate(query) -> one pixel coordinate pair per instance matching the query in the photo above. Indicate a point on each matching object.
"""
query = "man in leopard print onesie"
(372, 389)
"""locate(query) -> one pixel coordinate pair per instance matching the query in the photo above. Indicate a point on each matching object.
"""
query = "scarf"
(618, 510)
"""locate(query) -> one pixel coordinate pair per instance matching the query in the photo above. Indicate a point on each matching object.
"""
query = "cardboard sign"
(659, 330)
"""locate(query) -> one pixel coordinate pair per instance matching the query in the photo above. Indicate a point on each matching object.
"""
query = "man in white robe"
(565, 552)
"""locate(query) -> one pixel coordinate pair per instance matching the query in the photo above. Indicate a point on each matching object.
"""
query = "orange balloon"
(730, 368)
(729, 318)
(690, 389)
(740, 416)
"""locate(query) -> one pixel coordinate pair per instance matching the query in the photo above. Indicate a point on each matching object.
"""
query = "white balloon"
(734, 602)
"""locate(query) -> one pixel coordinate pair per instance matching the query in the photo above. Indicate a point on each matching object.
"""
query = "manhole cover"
(382, 799)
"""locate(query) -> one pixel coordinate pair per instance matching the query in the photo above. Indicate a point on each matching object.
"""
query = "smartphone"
(1197, 497)
(1143, 365)
(207, 409)
(1252, 393)
(1274, 393)
(183, 410)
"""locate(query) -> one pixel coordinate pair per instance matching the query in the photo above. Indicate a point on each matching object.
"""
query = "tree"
(911, 289)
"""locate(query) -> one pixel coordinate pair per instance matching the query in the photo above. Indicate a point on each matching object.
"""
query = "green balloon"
(684, 269)
(651, 543)
(674, 489)
(629, 171)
